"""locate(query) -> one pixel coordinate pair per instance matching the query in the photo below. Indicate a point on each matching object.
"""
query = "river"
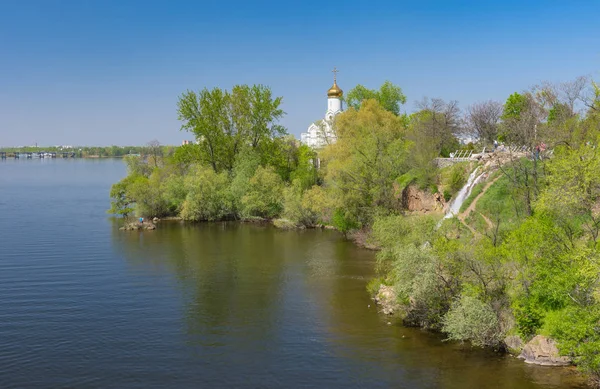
(84, 305)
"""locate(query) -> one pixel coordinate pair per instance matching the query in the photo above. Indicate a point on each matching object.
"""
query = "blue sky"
(110, 72)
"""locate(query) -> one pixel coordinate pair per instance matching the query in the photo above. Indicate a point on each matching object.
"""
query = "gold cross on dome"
(334, 71)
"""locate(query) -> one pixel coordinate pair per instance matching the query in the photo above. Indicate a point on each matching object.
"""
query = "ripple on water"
(83, 305)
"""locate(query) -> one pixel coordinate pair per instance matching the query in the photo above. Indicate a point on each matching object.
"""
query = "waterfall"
(462, 195)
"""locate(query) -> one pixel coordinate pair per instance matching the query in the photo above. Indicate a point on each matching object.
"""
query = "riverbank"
(540, 350)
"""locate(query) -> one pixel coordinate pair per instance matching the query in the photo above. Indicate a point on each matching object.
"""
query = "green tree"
(371, 151)
(389, 96)
(521, 117)
(306, 172)
(434, 128)
(225, 123)
(122, 203)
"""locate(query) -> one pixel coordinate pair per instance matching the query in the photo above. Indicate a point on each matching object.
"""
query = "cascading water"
(462, 195)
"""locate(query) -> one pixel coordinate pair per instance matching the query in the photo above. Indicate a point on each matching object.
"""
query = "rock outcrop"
(416, 200)
(514, 344)
(138, 226)
(543, 351)
(387, 299)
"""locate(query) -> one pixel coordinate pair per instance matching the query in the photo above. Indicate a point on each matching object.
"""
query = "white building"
(321, 132)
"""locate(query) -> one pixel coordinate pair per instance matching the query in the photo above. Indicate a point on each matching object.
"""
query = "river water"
(84, 305)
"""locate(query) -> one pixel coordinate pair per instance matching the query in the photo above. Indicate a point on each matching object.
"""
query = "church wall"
(334, 105)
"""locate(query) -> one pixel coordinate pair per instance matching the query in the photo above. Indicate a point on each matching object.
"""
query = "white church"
(321, 133)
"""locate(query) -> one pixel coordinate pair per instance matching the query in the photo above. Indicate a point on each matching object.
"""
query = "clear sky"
(110, 72)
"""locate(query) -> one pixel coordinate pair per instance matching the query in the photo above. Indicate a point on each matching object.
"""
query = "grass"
(496, 203)
(477, 189)
(453, 177)
(373, 286)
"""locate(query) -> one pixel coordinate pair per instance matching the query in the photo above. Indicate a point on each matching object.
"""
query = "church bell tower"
(334, 98)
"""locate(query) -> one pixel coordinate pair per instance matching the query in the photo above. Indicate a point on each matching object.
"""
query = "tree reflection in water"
(278, 307)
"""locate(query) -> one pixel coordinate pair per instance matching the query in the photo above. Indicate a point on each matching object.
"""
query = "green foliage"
(389, 96)
(343, 221)
(576, 330)
(415, 274)
(447, 196)
(174, 192)
(434, 130)
(295, 208)
(514, 106)
(373, 286)
(458, 177)
(305, 173)
(245, 167)
(453, 178)
(121, 201)
(405, 180)
(317, 201)
(208, 196)
(470, 319)
(225, 123)
(148, 196)
(136, 166)
(362, 165)
(264, 197)
(396, 230)
(476, 191)
(530, 267)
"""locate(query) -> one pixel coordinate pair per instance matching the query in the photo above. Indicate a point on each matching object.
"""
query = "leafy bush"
(295, 209)
(122, 203)
(470, 319)
(264, 197)
(174, 193)
(396, 230)
(246, 165)
(576, 331)
(317, 201)
(458, 177)
(208, 196)
(148, 197)
(343, 221)
(447, 195)
(414, 274)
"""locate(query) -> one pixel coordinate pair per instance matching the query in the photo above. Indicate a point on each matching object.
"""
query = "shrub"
(458, 178)
(284, 224)
(148, 197)
(246, 165)
(344, 222)
(264, 197)
(208, 196)
(447, 195)
(470, 319)
(295, 209)
(317, 201)
(174, 193)
(576, 331)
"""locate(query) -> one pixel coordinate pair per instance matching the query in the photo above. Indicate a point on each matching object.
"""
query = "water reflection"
(289, 307)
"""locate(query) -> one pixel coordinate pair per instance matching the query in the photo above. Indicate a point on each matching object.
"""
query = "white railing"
(461, 155)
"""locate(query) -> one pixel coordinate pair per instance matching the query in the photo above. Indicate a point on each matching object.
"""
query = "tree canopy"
(389, 97)
(224, 123)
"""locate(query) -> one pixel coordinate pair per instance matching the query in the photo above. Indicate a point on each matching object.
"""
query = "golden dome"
(335, 91)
